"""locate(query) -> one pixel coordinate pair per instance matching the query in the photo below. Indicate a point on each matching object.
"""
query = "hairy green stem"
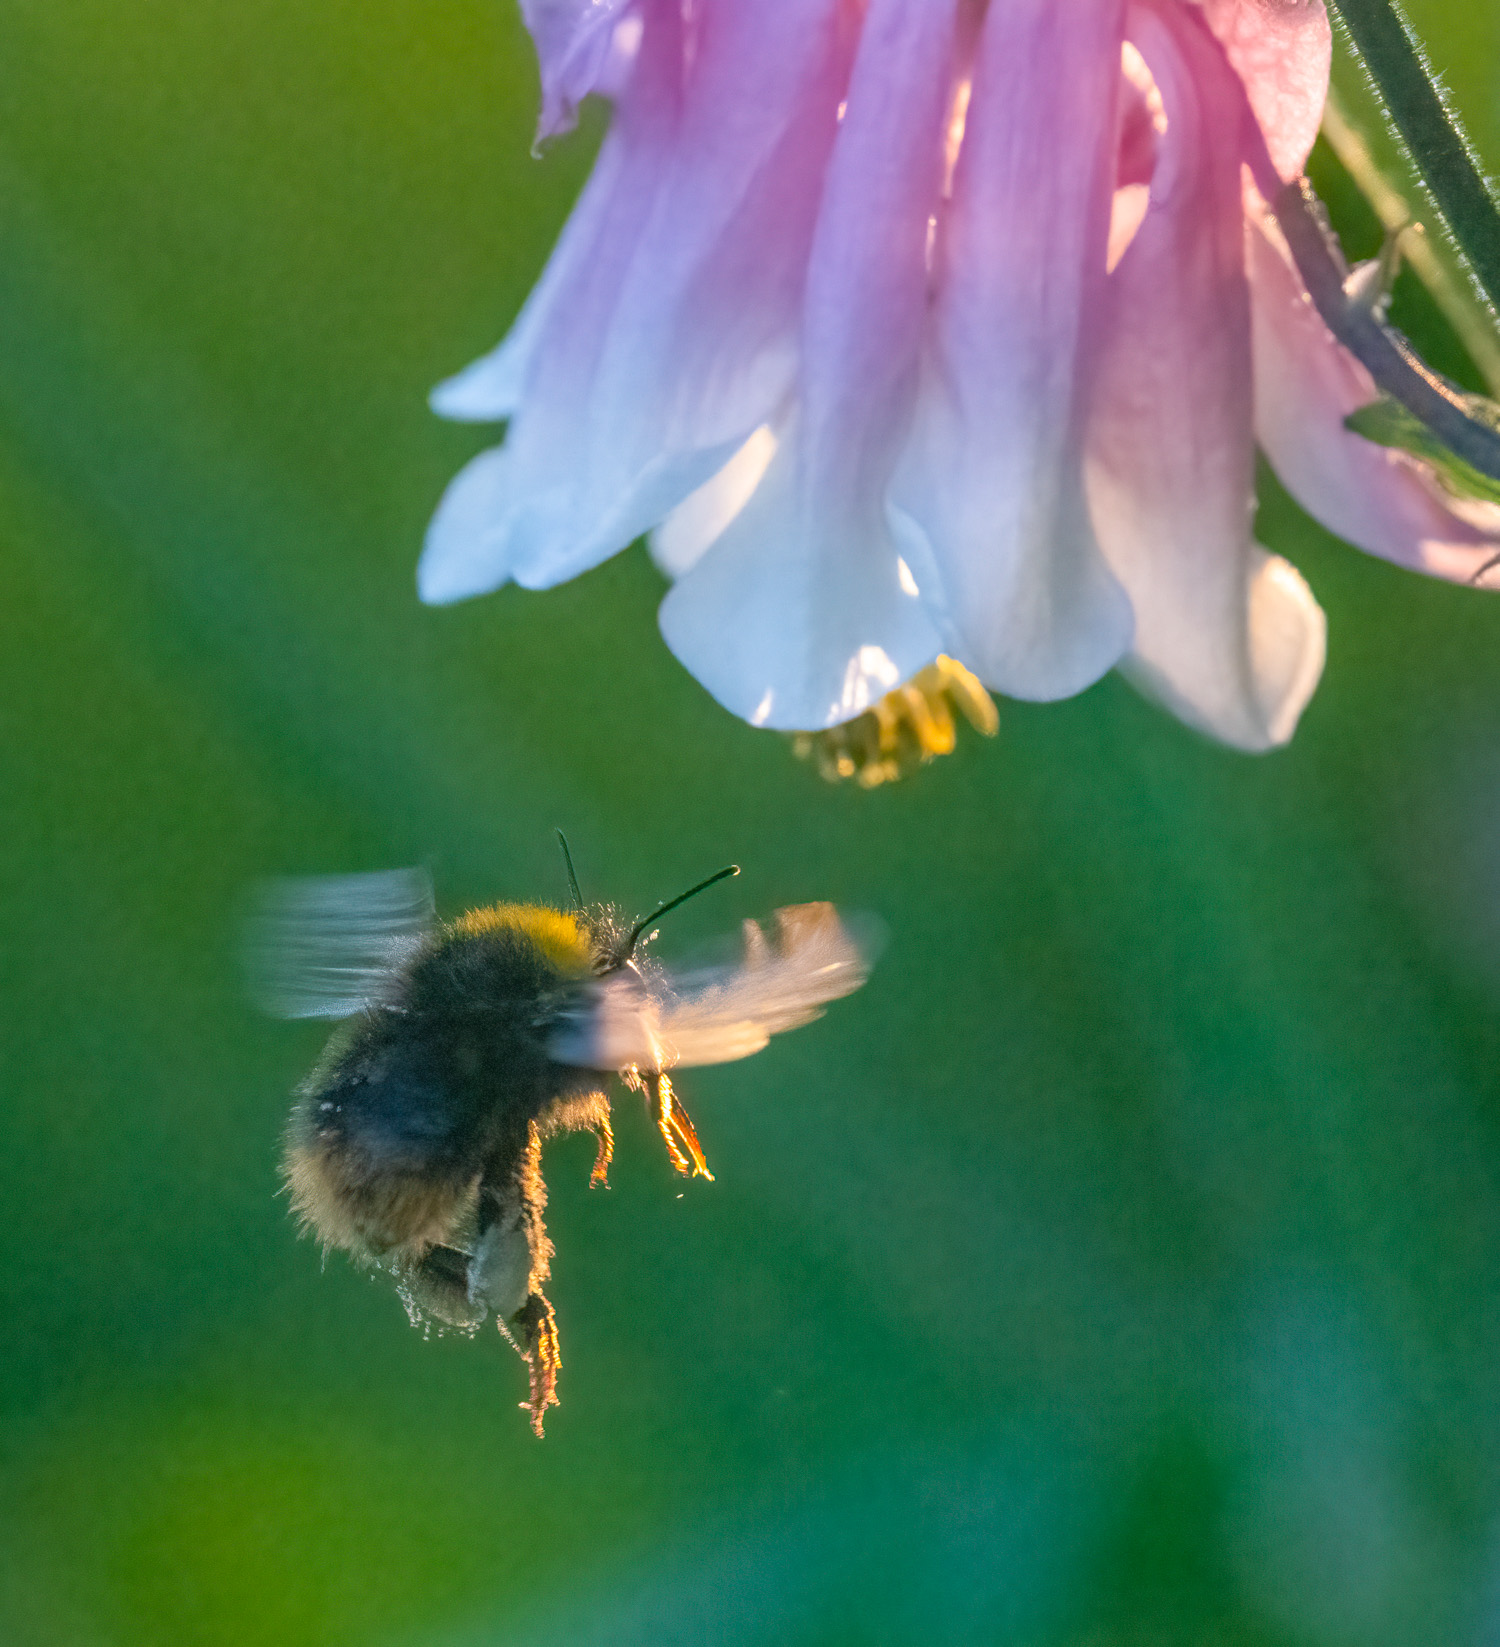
(1431, 131)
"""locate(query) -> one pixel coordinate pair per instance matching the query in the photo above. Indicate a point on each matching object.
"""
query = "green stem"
(1430, 130)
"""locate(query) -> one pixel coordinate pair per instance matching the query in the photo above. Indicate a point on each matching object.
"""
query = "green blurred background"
(1119, 1267)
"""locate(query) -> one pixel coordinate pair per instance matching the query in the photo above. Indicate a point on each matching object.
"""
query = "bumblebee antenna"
(562, 841)
(627, 949)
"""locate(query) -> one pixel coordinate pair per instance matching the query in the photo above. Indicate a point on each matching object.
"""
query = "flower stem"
(1431, 131)
(1446, 410)
(1464, 309)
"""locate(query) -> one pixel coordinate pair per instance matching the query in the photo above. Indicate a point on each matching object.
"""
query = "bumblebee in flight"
(416, 1142)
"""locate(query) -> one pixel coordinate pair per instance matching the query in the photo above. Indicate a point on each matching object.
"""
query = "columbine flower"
(937, 329)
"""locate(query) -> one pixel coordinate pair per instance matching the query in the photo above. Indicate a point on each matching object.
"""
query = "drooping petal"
(1281, 50)
(669, 333)
(607, 214)
(614, 200)
(471, 543)
(992, 479)
(803, 613)
(1379, 500)
(1228, 639)
(577, 44)
(684, 537)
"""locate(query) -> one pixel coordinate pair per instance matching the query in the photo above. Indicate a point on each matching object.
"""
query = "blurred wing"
(715, 1015)
(327, 946)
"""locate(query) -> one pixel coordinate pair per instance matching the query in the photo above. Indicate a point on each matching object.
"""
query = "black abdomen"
(417, 1100)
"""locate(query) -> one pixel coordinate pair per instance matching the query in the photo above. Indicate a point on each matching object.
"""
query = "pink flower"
(921, 327)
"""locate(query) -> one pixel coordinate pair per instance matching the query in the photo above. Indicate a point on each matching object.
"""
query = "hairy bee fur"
(416, 1142)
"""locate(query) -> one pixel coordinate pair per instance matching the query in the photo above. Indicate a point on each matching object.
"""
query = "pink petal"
(616, 195)
(1229, 641)
(992, 482)
(669, 332)
(802, 614)
(1281, 51)
(1305, 386)
(577, 42)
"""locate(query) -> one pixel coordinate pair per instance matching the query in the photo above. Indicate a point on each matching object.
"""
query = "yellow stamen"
(906, 729)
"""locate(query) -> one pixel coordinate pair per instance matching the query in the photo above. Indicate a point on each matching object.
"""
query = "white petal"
(993, 476)
(487, 390)
(670, 334)
(799, 616)
(678, 544)
(1288, 643)
(471, 523)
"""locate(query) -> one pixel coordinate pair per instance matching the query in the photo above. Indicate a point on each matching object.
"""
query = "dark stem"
(1452, 289)
(1387, 356)
(1431, 131)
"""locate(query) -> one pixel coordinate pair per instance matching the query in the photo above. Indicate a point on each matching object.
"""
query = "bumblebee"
(416, 1142)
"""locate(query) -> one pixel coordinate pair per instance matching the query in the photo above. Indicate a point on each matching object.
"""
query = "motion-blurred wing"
(327, 946)
(715, 1015)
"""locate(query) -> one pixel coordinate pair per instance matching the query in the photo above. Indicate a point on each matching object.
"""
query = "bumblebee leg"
(599, 1177)
(446, 1266)
(513, 1260)
(675, 1127)
(439, 1285)
(539, 1344)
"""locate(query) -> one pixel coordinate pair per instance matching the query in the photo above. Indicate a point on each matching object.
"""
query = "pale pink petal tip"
(487, 391)
(1286, 642)
(465, 553)
(1229, 640)
(582, 46)
(1288, 645)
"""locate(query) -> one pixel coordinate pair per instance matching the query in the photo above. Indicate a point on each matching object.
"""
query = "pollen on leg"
(676, 1128)
(540, 1346)
(672, 1120)
(535, 1320)
(904, 730)
(599, 1177)
(532, 1191)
